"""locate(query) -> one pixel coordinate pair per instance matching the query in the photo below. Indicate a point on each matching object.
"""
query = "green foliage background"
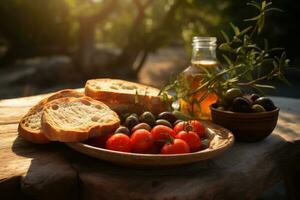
(33, 24)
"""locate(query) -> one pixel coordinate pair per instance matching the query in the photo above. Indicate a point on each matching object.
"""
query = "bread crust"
(122, 101)
(37, 136)
(55, 133)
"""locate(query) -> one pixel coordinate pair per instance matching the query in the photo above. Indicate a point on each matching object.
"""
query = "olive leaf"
(244, 62)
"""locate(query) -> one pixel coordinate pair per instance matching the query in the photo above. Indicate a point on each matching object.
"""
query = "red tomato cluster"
(185, 137)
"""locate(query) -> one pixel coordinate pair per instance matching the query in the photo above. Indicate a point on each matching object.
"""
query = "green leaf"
(225, 47)
(275, 49)
(254, 4)
(235, 29)
(225, 36)
(282, 78)
(273, 9)
(253, 18)
(246, 30)
(233, 80)
(227, 59)
(265, 86)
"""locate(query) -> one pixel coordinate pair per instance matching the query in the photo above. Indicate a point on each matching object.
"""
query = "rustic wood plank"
(54, 171)
(44, 170)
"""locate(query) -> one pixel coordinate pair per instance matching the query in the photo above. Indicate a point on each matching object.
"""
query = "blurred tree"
(134, 27)
(149, 26)
(34, 27)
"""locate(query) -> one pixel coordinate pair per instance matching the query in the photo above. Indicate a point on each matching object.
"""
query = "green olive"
(258, 108)
(123, 129)
(141, 126)
(148, 117)
(163, 122)
(169, 116)
(180, 115)
(233, 93)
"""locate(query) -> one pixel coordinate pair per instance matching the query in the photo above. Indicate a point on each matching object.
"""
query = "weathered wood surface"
(53, 171)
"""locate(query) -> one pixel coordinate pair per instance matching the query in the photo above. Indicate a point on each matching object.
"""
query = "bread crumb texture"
(122, 86)
(79, 115)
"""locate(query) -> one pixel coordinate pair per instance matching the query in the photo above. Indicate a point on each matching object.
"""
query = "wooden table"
(53, 171)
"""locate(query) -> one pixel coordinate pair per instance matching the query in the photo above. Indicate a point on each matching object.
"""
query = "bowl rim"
(244, 115)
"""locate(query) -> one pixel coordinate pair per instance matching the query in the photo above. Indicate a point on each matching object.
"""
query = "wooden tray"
(220, 140)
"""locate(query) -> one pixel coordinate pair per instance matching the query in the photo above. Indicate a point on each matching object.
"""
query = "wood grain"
(53, 171)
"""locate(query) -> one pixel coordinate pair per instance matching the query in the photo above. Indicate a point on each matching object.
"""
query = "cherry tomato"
(180, 126)
(197, 127)
(162, 134)
(99, 141)
(192, 125)
(119, 142)
(178, 146)
(141, 141)
(191, 138)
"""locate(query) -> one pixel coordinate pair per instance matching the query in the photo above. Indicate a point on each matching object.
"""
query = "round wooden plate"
(220, 140)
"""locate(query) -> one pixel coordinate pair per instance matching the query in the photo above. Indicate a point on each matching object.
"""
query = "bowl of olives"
(250, 117)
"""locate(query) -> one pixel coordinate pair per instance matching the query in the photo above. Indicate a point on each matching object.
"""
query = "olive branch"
(246, 63)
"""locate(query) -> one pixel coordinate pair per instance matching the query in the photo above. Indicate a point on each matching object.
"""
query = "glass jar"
(203, 58)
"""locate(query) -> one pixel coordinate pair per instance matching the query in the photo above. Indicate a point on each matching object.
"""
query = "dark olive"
(148, 117)
(241, 104)
(124, 117)
(233, 93)
(131, 121)
(163, 122)
(257, 108)
(266, 103)
(134, 114)
(167, 116)
(180, 115)
(123, 129)
(177, 121)
(141, 126)
(254, 96)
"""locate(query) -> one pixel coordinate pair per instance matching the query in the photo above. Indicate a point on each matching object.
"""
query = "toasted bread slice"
(30, 125)
(123, 96)
(77, 119)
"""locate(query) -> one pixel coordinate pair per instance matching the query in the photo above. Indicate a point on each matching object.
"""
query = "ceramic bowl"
(246, 127)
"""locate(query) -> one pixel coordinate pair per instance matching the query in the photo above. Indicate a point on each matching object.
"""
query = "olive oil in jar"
(203, 58)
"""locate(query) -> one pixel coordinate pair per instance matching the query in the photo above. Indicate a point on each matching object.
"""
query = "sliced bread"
(30, 125)
(77, 119)
(123, 96)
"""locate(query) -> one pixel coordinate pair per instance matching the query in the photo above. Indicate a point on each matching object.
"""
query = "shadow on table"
(54, 171)
(50, 175)
(58, 172)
